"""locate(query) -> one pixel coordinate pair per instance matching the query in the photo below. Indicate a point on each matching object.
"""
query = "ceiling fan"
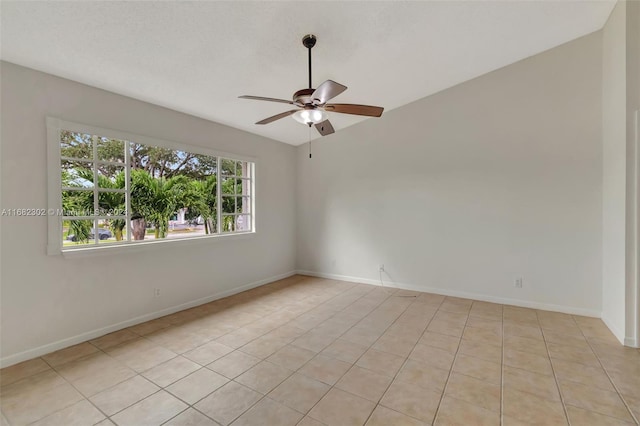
(312, 103)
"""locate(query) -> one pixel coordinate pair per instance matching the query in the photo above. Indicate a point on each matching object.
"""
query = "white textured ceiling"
(197, 57)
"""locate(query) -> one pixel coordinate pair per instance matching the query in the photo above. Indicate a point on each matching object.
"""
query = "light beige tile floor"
(312, 351)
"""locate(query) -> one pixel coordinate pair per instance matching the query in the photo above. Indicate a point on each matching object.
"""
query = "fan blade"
(325, 128)
(260, 98)
(277, 117)
(368, 110)
(327, 90)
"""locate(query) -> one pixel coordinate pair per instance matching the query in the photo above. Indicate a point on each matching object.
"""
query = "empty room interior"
(319, 213)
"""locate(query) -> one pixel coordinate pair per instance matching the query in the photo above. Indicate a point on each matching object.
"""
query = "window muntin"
(131, 192)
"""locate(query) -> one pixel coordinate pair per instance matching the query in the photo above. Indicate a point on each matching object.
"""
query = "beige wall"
(614, 170)
(51, 301)
(621, 101)
(633, 175)
(464, 191)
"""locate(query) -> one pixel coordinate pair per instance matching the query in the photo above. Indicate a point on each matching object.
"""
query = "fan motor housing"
(303, 96)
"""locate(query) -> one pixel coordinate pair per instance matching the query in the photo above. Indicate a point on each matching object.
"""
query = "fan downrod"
(309, 41)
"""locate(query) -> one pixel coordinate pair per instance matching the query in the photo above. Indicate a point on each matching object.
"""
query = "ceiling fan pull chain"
(309, 140)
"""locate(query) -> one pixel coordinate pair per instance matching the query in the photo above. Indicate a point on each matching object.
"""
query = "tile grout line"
(373, 343)
(354, 363)
(268, 309)
(269, 331)
(405, 360)
(370, 346)
(172, 325)
(86, 398)
(527, 391)
(189, 406)
(553, 370)
(299, 315)
(193, 406)
(607, 373)
(177, 324)
(455, 357)
(294, 371)
(98, 350)
(160, 388)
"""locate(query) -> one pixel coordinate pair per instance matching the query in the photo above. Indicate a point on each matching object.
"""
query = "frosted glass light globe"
(313, 116)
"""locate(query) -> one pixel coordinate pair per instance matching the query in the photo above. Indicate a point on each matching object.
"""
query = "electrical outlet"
(156, 292)
(381, 267)
(518, 283)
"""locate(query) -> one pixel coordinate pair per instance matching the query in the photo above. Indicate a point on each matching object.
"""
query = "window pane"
(77, 233)
(77, 203)
(228, 223)
(156, 161)
(111, 230)
(111, 176)
(246, 187)
(228, 186)
(243, 169)
(140, 229)
(209, 224)
(174, 191)
(181, 226)
(228, 204)
(76, 145)
(200, 166)
(166, 163)
(239, 185)
(117, 228)
(243, 204)
(228, 167)
(76, 174)
(111, 204)
(243, 223)
(110, 150)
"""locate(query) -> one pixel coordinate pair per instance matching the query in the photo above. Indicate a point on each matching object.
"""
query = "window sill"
(146, 245)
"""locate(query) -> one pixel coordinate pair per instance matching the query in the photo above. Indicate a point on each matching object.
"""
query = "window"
(115, 189)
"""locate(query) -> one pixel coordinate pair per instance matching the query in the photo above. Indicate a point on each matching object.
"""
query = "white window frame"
(54, 201)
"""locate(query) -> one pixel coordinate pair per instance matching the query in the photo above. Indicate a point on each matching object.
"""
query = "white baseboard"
(462, 294)
(631, 342)
(70, 341)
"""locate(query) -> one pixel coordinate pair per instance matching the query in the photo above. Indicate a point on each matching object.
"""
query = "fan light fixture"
(310, 116)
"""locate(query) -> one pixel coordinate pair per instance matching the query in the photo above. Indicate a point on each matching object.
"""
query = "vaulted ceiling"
(197, 57)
